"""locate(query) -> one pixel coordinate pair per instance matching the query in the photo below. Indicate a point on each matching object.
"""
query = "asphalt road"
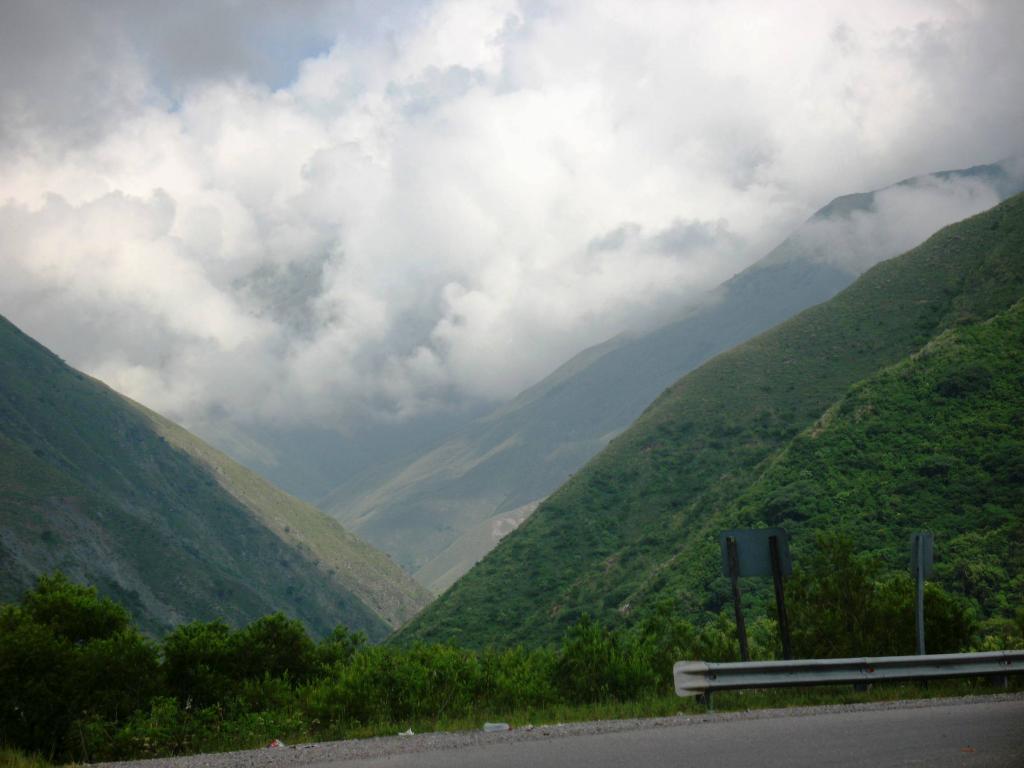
(965, 735)
(975, 732)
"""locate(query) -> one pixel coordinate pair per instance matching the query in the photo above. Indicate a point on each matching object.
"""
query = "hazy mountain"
(114, 495)
(443, 508)
(936, 442)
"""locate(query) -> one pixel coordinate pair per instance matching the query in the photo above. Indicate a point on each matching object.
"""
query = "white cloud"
(455, 197)
(897, 219)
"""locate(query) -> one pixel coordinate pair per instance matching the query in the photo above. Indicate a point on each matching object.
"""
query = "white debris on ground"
(407, 733)
(494, 727)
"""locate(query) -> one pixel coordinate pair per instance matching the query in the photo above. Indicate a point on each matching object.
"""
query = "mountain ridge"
(115, 495)
(433, 505)
(611, 532)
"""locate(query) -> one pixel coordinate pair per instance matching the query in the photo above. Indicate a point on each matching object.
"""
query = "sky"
(305, 213)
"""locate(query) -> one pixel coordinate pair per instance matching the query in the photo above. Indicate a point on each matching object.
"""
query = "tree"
(274, 646)
(199, 662)
(72, 611)
(841, 607)
(68, 654)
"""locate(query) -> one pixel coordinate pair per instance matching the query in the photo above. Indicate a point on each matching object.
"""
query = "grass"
(669, 705)
(13, 758)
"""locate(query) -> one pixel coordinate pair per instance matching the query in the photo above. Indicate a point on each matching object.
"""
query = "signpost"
(780, 596)
(757, 552)
(921, 567)
(765, 552)
(734, 576)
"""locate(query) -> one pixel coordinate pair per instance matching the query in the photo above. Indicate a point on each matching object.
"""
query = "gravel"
(362, 749)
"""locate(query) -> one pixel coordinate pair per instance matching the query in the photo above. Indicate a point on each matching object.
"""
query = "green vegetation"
(428, 512)
(935, 442)
(639, 523)
(370, 574)
(897, 406)
(433, 509)
(112, 494)
(840, 608)
(79, 682)
(64, 651)
(13, 758)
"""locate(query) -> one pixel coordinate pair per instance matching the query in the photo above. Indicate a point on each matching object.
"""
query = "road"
(983, 731)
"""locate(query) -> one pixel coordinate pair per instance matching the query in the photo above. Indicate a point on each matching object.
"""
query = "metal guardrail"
(693, 678)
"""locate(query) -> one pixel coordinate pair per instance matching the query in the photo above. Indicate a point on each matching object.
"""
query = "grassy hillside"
(116, 496)
(364, 570)
(623, 530)
(428, 511)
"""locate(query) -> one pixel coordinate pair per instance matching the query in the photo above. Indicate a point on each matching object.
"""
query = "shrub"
(382, 685)
(339, 647)
(115, 676)
(839, 608)
(166, 728)
(668, 638)
(597, 664)
(199, 663)
(72, 611)
(34, 666)
(273, 646)
(67, 654)
(517, 679)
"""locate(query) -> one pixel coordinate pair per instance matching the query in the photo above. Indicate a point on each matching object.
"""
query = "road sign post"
(921, 550)
(757, 552)
(734, 577)
(780, 596)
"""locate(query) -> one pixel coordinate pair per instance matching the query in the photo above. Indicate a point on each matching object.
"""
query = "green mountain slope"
(621, 532)
(114, 495)
(435, 513)
(524, 450)
(935, 442)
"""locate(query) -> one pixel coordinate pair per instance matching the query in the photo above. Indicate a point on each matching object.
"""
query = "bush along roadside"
(79, 683)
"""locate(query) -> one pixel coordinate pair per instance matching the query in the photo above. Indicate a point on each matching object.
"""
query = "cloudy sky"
(297, 212)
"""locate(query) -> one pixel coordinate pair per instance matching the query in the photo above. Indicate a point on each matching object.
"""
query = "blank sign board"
(754, 552)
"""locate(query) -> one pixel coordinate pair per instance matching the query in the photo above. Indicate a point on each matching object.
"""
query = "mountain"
(439, 511)
(638, 523)
(933, 442)
(114, 495)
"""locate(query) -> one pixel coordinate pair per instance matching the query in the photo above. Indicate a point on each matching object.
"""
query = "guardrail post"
(999, 681)
(706, 699)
